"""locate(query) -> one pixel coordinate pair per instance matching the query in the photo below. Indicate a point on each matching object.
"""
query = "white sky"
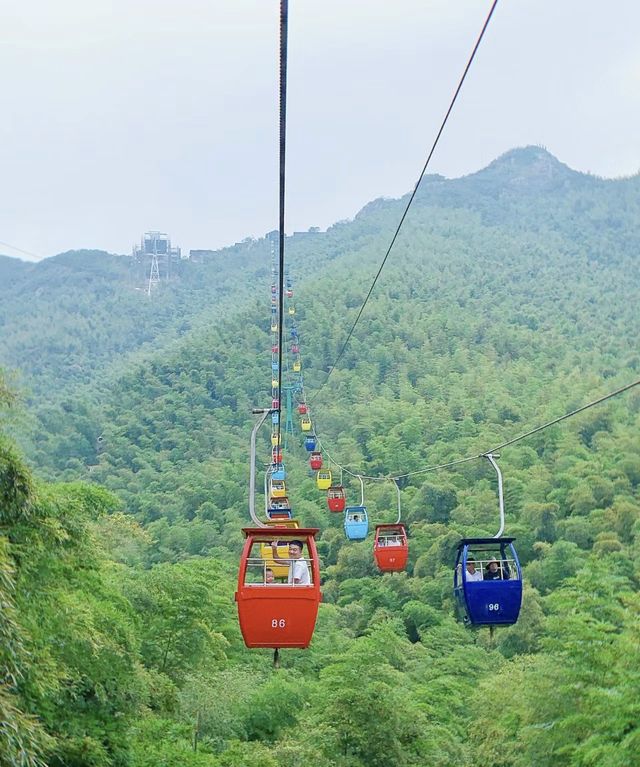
(118, 117)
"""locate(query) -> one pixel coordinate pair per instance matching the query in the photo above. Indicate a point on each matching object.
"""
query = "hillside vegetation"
(510, 299)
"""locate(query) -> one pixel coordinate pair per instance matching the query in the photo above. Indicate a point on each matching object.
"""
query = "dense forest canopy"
(510, 298)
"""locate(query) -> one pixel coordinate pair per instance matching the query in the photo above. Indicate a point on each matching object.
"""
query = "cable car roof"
(267, 533)
(483, 542)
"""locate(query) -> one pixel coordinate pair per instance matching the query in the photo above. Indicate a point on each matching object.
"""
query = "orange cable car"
(336, 498)
(390, 548)
(278, 614)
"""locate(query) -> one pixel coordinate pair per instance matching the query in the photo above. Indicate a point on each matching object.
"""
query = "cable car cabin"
(278, 472)
(323, 479)
(276, 455)
(336, 498)
(356, 523)
(297, 366)
(305, 423)
(487, 582)
(289, 293)
(292, 310)
(278, 488)
(294, 333)
(279, 509)
(274, 349)
(302, 409)
(295, 349)
(274, 289)
(275, 404)
(274, 300)
(390, 548)
(278, 610)
(274, 327)
(274, 367)
(275, 418)
(310, 442)
(276, 439)
(274, 384)
(315, 461)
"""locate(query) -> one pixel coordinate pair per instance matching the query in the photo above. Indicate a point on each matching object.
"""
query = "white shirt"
(475, 576)
(299, 573)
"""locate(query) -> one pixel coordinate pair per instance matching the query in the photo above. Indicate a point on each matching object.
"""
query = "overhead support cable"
(284, 20)
(493, 450)
(411, 198)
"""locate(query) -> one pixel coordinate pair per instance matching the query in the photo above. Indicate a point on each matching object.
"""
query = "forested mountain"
(510, 298)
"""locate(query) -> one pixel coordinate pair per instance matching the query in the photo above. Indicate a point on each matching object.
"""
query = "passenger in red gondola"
(269, 577)
(298, 567)
(472, 574)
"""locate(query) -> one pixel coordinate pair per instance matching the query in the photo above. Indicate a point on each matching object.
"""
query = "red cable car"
(336, 498)
(315, 461)
(278, 612)
(275, 404)
(390, 548)
(274, 349)
(303, 409)
(276, 455)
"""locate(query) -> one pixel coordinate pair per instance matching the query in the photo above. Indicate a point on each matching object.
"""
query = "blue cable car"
(487, 582)
(356, 523)
(275, 417)
(278, 472)
(310, 442)
(274, 367)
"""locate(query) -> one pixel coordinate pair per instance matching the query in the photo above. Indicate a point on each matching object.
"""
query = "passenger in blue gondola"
(472, 574)
(492, 571)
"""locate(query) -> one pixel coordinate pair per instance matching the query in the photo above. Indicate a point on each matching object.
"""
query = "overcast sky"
(124, 116)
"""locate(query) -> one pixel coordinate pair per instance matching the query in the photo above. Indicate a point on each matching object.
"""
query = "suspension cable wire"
(284, 21)
(21, 250)
(495, 449)
(411, 198)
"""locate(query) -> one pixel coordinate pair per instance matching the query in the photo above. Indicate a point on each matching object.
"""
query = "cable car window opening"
(284, 567)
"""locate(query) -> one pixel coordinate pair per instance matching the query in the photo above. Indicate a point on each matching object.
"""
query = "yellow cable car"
(274, 327)
(292, 310)
(305, 423)
(276, 439)
(323, 479)
(274, 383)
(279, 571)
(296, 366)
(278, 488)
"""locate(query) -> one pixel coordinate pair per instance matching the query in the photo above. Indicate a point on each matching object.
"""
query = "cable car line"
(411, 198)
(493, 450)
(21, 250)
(284, 18)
